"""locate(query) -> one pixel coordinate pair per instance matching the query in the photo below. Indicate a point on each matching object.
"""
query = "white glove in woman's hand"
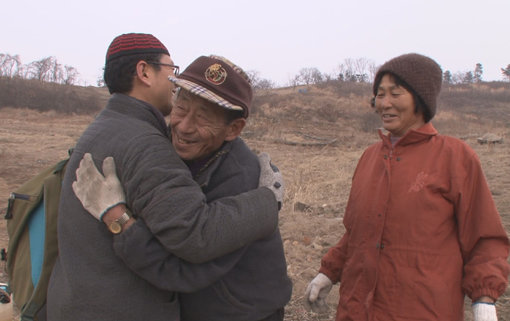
(316, 293)
(98, 193)
(484, 312)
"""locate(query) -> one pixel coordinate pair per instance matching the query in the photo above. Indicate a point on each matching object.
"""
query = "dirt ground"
(317, 160)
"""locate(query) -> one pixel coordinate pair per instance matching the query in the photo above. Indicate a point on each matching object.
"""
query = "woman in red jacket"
(422, 229)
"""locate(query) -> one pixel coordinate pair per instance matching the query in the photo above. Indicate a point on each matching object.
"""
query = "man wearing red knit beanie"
(89, 282)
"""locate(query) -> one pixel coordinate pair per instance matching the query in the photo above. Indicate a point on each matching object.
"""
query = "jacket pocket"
(221, 288)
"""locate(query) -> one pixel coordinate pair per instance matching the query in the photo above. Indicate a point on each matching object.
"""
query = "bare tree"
(100, 81)
(468, 78)
(316, 76)
(259, 83)
(4, 61)
(2, 58)
(356, 70)
(10, 66)
(447, 77)
(50, 70)
(308, 76)
(47, 69)
(342, 72)
(372, 70)
(253, 75)
(265, 84)
(346, 70)
(57, 75)
(458, 77)
(361, 69)
(478, 73)
(506, 72)
(41, 69)
(70, 75)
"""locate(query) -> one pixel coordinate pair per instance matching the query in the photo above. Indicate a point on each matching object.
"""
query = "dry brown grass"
(317, 177)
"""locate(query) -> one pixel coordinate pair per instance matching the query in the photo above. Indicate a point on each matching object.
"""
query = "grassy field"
(315, 138)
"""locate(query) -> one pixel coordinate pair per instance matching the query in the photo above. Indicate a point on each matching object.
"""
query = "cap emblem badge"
(216, 74)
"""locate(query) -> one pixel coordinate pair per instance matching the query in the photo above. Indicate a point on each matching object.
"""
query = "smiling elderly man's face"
(200, 127)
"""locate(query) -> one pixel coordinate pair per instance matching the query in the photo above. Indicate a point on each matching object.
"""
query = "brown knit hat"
(134, 43)
(421, 73)
(219, 81)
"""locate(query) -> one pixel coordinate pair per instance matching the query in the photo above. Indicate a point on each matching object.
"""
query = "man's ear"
(143, 72)
(235, 128)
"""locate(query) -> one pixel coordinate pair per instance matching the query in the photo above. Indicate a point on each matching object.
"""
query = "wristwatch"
(116, 226)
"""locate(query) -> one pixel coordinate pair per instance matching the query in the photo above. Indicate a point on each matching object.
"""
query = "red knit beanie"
(421, 73)
(134, 43)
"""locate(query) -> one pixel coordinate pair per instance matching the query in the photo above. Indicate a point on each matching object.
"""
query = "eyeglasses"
(174, 67)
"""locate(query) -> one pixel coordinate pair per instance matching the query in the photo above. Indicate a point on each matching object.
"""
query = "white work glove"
(271, 177)
(316, 293)
(98, 193)
(484, 312)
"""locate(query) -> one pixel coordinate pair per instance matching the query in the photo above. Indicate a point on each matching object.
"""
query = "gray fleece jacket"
(89, 282)
(246, 285)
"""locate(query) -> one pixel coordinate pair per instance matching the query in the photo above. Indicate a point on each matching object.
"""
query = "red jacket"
(422, 230)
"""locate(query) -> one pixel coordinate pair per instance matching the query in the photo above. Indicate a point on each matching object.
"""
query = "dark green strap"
(30, 311)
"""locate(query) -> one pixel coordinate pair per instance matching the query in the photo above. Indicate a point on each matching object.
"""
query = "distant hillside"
(462, 109)
(484, 103)
(44, 96)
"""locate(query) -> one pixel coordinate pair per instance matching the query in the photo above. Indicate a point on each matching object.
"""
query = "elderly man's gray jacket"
(246, 285)
(89, 282)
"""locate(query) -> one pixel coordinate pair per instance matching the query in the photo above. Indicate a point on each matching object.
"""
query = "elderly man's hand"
(484, 311)
(316, 293)
(96, 192)
(271, 178)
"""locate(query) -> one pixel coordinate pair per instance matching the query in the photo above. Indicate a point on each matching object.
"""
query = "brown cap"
(218, 80)
(134, 43)
(421, 73)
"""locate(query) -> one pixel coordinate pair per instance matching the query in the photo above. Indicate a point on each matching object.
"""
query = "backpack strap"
(30, 311)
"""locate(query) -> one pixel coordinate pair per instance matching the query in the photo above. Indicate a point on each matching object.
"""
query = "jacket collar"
(203, 176)
(138, 109)
(413, 136)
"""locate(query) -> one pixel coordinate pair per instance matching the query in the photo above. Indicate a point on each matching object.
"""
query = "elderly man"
(251, 284)
(89, 282)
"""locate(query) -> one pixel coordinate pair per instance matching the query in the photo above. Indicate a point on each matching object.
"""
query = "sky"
(274, 38)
